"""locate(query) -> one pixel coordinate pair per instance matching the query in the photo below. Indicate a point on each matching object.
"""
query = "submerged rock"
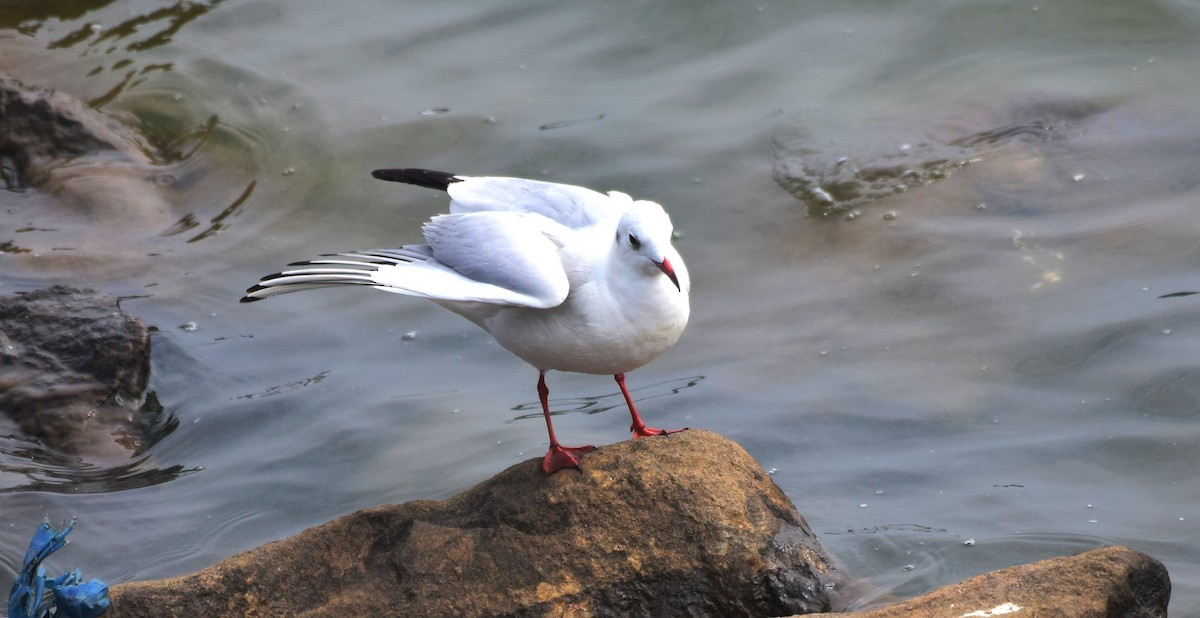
(41, 128)
(84, 187)
(73, 368)
(833, 170)
(682, 525)
(1102, 583)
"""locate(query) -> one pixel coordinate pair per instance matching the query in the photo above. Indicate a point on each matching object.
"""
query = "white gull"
(562, 276)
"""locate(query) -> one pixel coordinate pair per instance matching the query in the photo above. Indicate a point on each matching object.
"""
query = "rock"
(682, 525)
(1103, 583)
(73, 368)
(88, 193)
(39, 128)
(833, 170)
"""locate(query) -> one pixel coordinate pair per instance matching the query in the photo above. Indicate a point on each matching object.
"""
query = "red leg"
(639, 428)
(559, 456)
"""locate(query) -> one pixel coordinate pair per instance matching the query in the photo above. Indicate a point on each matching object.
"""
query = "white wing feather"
(571, 206)
(512, 251)
(499, 258)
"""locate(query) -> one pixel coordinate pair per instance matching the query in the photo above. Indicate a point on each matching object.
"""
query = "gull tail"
(429, 179)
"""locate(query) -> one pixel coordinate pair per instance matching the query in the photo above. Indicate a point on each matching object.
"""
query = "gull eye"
(634, 242)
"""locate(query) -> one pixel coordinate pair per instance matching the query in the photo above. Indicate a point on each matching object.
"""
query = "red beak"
(669, 271)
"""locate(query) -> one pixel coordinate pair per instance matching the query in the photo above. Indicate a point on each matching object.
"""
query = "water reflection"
(603, 403)
(26, 465)
(290, 386)
(216, 225)
(27, 17)
(1174, 394)
(42, 471)
(889, 528)
(152, 28)
(1069, 352)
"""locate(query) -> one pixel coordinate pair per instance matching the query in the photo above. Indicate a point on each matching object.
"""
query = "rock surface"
(73, 368)
(682, 525)
(1109, 582)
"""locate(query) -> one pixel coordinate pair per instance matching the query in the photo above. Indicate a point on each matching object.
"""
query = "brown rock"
(1109, 582)
(90, 196)
(73, 368)
(682, 525)
(39, 128)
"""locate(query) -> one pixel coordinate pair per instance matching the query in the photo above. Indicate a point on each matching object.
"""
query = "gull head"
(643, 240)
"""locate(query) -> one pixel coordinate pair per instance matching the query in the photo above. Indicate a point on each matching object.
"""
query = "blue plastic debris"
(66, 596)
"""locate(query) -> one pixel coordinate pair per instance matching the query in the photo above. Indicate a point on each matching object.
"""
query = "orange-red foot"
(646, 432)
(560, 457)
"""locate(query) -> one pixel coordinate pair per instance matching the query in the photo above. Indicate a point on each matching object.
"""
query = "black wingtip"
(1178, 294)
(429, 179)
(252, 299)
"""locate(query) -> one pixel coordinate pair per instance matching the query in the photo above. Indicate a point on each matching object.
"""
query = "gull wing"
(569, 205)
(513, 251)
(494, 258)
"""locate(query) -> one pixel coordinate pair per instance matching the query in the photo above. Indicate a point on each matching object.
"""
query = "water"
(978, 353)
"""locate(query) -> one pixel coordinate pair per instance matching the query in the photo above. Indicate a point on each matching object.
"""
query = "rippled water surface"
(928, 241)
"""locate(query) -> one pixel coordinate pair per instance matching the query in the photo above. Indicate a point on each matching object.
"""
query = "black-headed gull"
(562, 276)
